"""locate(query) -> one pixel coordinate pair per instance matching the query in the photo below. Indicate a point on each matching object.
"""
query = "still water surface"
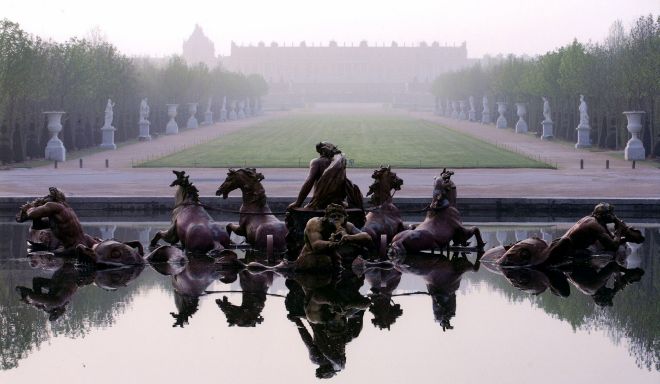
(435, 320)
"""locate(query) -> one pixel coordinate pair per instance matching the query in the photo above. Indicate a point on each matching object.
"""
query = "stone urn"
(55, 147)
(501, 120)
(192, 120)
(634, 148)
(521, 124)
(171, 128)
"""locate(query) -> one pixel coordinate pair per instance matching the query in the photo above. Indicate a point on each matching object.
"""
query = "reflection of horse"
(443, 278)
(441, 225)
(254, 287)
(385, 219)
(191, 224)
(256, 220)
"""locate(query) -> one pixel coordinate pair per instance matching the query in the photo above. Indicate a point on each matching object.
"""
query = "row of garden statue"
(327, 232)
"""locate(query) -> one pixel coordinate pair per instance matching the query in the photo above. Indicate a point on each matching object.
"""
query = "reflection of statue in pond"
(254, 287)
(191, 224)
(443, 278)
(546, 110)
(329, 239)
(385, 218)
(441, 226)
(327, 175)
(592, 280)
(334, 312)
(256, 220)
(109, 113)
(584, 116)
(383, 282)
(144, 110)
(53, 294)
(61, 218)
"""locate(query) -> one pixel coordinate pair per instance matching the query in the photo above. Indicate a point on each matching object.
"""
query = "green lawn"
(368, 140)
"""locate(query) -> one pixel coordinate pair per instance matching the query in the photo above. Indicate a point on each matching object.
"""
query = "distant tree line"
(620, 74)
(80, 75)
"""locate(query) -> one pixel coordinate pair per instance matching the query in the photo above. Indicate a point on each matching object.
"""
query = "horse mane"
(375, 186)
(189, 190)
(258, 192)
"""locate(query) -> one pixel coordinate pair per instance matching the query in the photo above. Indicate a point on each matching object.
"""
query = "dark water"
(439, 320)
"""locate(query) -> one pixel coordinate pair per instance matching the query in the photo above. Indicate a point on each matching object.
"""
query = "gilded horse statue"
(385, 217)
(191, 224)
(256, 220)
(441, 226)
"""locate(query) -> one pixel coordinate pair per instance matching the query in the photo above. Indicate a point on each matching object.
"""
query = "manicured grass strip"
(368, 140)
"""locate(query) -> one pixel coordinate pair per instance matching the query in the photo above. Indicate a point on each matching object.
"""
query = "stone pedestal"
(501, 120)
(144, 131)
(192, 120)
(634, 148)
(485, 117)
(208, 118)
(583, 139)
(548, 133)
(223, 114)
(521, 124)
(108, 137)
(172, 128)
(55, 147)
(454, 110)
(472, 115)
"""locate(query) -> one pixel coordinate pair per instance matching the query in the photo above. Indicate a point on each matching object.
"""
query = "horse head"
(246, 179)
(186, 191)
(384, 182)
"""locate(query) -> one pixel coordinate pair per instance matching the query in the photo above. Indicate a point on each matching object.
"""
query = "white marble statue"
(144, 122)
(485, 113)
(584, 116)
(109, 114)
(547, 121)
(583, 129)
(107, 130)
(144, 110)
(472, 113)
(546, 110)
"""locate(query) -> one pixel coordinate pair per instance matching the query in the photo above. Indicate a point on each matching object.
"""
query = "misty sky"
(158, 28)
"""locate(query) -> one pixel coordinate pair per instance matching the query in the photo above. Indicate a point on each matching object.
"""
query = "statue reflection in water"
(443, 278)
(333, 309)
(52, 295)
(594, 280)
(383, 282)
(254, 287)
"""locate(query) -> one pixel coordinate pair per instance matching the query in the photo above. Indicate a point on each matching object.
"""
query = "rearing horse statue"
(191, 224)
(256, 220)
(384, 218)
(442, 225)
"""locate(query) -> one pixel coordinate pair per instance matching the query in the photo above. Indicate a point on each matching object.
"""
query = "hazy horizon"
(157, 29)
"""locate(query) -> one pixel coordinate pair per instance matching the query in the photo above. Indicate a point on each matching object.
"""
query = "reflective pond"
(435, 318)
